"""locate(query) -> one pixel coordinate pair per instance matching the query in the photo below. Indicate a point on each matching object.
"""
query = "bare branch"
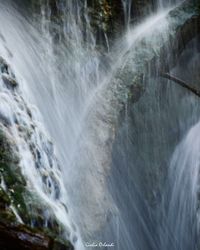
(181, 83)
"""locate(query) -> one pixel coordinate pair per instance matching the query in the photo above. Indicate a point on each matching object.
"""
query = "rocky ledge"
(20, 237)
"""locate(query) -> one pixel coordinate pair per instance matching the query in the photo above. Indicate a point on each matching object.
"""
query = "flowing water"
(60, 71)
(164, 216)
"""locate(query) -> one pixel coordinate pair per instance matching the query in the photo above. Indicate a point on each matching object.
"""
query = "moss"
(60, 244)
(4, 199)
(8, 163)
(17, 197)
(14, 180)
(11, 177)
(7, 216)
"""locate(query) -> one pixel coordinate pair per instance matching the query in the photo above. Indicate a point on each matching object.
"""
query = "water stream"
(61, 72)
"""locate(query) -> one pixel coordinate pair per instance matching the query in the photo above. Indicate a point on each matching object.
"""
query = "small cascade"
(22, 124)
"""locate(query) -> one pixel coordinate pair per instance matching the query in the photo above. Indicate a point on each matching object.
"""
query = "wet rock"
(57, 245)
(9, 81)
(24, 238)
(4, 119)
(74, 240)
(141, 8)
(107, 17)
(4, 199)
(4, 68)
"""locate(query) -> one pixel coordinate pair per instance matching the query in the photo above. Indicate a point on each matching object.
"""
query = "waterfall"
(21, 122)
(34, 59)
(110, 172)
(181, 199)
(180, 204)
(127, 11)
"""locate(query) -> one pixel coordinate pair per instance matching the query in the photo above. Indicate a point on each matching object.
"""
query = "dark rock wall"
(107, 17)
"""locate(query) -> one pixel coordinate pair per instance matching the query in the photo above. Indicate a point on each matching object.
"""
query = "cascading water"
(180, 203)
(43, 67)
(74, 87)
(182, 197)
(38, 163)
(127, 11)
(164, 114)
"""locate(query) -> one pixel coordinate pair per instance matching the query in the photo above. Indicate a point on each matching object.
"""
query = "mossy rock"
(61, 245)
(29, 207)
(4, 199)
(10, 173)
(22, 237)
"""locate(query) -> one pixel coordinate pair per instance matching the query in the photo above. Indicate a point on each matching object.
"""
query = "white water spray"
(66, 80)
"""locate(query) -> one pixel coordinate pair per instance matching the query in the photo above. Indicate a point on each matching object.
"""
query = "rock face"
(107, 18)
(27, 221)
(22, 237)
(141, 8)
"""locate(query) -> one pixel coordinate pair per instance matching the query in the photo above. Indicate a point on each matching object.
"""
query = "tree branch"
(181, 83)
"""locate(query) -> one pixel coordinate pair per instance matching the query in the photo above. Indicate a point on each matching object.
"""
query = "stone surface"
(22, 237)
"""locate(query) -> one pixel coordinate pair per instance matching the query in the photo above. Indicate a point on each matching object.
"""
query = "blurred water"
(159, 198)
(112, 179)
(21, 124)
